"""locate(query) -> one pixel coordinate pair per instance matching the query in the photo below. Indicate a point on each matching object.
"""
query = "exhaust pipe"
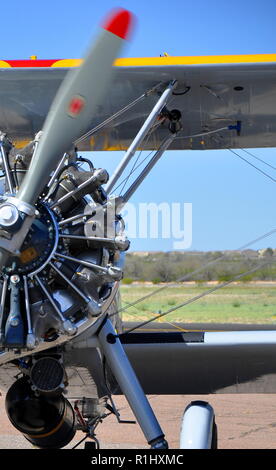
(45, 421)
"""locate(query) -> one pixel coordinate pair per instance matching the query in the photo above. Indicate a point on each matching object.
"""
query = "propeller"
(75, 104)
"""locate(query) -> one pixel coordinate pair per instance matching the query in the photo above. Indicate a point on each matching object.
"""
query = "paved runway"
(245, 421)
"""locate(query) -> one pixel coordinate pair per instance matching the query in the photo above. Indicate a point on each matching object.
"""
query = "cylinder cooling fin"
(69, 265)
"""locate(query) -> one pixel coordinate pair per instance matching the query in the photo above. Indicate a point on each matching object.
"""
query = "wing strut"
(148, 168)
(141, 134)
(117, 202)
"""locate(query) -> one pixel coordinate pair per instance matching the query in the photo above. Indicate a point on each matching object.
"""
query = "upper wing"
(213, 92)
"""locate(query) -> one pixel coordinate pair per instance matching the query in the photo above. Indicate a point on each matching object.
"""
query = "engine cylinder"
(47, 422)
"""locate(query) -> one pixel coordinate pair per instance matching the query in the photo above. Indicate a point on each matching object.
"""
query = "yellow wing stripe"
(165, 60)
(4, 64)
(67, 63)
(178, 60)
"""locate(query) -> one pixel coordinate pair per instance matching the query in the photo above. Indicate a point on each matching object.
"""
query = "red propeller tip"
(119, 23)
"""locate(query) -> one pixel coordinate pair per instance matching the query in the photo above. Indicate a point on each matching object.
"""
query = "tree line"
(199, 266)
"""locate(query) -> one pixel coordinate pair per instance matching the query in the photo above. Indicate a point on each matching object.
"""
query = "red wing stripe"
(31, 63)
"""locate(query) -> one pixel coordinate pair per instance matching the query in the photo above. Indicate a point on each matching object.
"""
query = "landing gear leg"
(130, 386)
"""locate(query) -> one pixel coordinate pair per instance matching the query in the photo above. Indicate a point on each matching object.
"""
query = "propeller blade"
(76, 102)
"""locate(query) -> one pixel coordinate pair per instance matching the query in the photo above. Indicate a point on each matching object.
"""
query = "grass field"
(239, 303)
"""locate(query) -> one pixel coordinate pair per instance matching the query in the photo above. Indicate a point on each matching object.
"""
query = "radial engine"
(66, 273)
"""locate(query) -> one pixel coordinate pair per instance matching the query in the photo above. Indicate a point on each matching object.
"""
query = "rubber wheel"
(90, 445)
(214, 443)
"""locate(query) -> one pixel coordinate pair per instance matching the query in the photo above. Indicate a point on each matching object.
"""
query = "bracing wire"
(117, 114)
(197, 297)
(202, 134)
(251, 164)
(132, 171)
(181, 279)
(200, 269)
(196, 271)
(259, 159)
(134, 167)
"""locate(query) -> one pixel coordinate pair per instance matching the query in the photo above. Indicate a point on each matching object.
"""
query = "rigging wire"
(251, 164)
(167, 321)
(136, 168)
(258, 158)
(196, 271)
(197, 297)
(133, 171)
(181, 279)
(130, 173)
(133, 167)
(202, 134)
(117, 114)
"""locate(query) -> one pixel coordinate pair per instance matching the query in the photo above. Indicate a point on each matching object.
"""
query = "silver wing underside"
(218, 95)
(171, 363)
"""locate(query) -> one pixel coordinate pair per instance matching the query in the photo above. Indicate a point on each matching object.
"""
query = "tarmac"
(244, 421)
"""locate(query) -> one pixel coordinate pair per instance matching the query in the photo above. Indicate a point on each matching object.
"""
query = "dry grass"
(239, 303)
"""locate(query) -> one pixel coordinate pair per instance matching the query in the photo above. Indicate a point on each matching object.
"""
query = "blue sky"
(232, 202)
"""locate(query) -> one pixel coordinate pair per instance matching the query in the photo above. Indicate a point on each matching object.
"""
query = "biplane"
(64, 354)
